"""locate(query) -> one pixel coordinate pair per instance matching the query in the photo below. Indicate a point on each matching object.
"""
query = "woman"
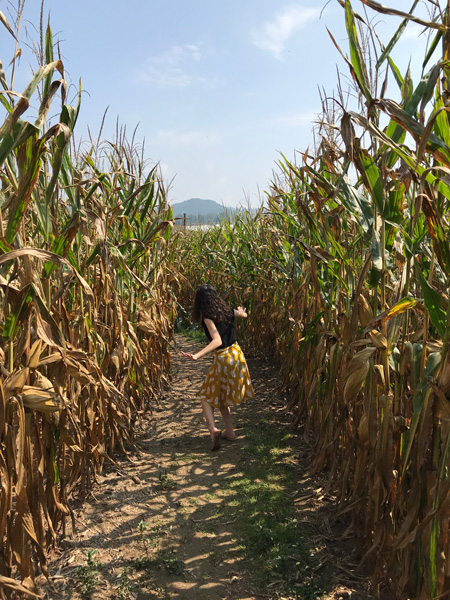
(227, 382)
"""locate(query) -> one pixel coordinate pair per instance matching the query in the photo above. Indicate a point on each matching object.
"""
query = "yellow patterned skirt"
(227, 382)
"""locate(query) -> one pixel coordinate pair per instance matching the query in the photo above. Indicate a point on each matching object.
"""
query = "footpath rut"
(174, 520)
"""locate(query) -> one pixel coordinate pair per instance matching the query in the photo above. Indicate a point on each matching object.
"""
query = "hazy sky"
(218, 89)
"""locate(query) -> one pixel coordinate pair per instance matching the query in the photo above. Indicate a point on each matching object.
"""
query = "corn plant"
(86, 313)
(346, 276)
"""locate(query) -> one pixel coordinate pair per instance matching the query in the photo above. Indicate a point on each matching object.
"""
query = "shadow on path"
(175, 520)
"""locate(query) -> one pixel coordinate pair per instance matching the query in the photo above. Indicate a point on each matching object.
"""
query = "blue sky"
(218, 89)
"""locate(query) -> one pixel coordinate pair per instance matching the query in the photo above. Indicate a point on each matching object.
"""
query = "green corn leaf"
(375, 251)
(17, 314)
(374, 179)
(441, 124)
(3, 100)
(48, 56)
(433, 302)
(436, 146)
(23, 196)
(62, 243)
(439, 233)
(355, 52)
(396, 72)
(433, 46)
(21, 132)
(95, 252)
(4, 246)
(357, 204)
(41, 74)
(425, 89)
(420, 400)
(403, 153)
(397, 35)
(68, 118)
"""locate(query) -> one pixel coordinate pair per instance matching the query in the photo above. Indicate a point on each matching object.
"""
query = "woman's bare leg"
(226, 416)
(208, 413)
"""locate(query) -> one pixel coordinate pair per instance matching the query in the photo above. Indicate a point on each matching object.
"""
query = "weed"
(207, 528)
(169, 560)
(126, 587)
(192, 332)
(88, 573)
(190, 458)
(161, 593)
(211, 496)
(165, 480)
(166, 559)
(149, 540)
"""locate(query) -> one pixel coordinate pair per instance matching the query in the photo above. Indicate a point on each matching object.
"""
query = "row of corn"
(86, 310)
(346, 275)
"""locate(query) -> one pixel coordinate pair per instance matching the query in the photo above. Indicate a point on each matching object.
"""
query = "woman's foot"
(231, 437)
(215, 442)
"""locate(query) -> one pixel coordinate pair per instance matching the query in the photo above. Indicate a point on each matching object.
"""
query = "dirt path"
(177, 521)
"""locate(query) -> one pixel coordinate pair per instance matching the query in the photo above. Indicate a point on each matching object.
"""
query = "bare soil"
(161, 522)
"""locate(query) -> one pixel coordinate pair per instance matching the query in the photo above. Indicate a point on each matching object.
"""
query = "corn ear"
(356, 373)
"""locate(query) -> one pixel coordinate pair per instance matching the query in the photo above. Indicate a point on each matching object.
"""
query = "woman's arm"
(215, 342)
(240, 312)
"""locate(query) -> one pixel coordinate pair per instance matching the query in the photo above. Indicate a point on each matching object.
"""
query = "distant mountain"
(200, 211)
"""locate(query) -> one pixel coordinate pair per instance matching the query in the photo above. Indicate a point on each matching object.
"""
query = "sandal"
(216, 441)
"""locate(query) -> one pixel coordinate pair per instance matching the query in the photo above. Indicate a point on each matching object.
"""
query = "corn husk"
(364, 311)
(356, 373)
(38, 399)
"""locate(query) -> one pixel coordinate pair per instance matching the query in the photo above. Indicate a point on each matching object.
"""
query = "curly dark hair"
(209, 305)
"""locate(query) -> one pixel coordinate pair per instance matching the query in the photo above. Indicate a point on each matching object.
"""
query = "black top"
(226, 331)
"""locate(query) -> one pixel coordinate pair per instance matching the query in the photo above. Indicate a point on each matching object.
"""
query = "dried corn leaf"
(34, 355)
(356, 373)
(42, 382)
(15, 382)
(14, 585)
(364, 311)
(146, 323)
(378, 339)
(444, 375)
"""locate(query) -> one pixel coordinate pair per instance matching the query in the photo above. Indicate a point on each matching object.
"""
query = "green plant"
(346, 276)
(166, 482)
(86, 306)
(88, 573)
(169, 560)
(148, 539)
(125, 587)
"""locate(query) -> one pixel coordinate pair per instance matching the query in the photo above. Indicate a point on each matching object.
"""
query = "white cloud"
(413, 32)
(274, 35)
(175, 139)
(172, 68)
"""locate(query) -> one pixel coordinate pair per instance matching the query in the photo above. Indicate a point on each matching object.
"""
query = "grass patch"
(278, 553)
(187, 458)
(193, 332)
(169, 561)
(207, 528)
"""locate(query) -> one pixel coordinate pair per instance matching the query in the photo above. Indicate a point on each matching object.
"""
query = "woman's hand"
(191, 356)
(241, 312)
